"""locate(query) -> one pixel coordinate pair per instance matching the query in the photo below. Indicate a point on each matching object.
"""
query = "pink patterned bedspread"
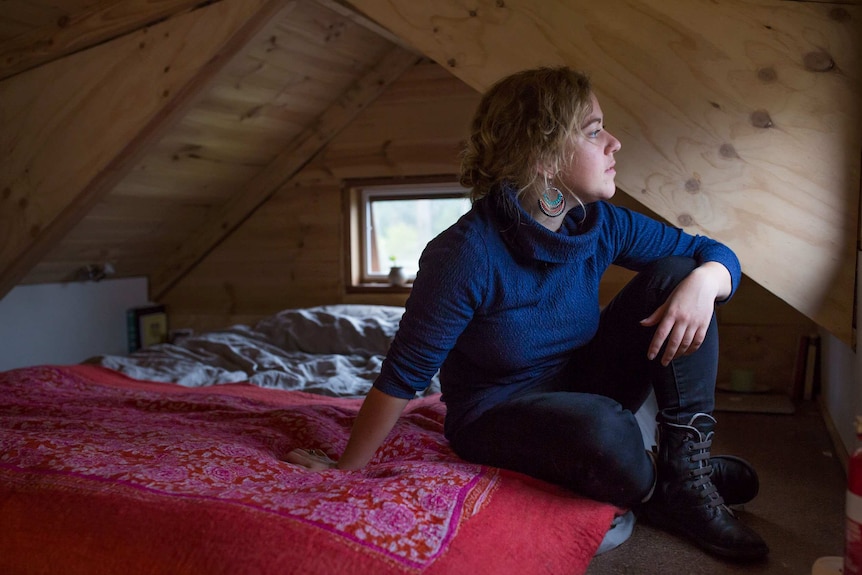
(103, 474)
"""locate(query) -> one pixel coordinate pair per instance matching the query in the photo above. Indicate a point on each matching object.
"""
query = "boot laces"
(701, 474)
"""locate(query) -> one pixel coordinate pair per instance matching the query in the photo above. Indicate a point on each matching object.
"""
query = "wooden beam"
(285, 165)
(839, 2)
(73, 128)
(342, 8)
(740, 119)
(98, 23)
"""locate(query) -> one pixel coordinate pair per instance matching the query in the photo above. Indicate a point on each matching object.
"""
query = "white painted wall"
(66, 323)
(842, 377)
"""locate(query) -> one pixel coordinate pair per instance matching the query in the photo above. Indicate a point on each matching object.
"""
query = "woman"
(538, 379)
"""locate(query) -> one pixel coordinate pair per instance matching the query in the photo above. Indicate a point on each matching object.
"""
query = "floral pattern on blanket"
(406, 505)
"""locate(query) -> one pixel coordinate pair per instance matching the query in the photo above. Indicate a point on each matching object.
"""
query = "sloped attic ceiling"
(739, 119)
(167, 124)
(143, 132)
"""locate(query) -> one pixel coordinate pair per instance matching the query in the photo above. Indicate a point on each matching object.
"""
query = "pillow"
(338, 329)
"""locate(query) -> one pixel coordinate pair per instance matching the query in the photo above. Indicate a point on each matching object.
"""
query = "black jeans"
(581, 431)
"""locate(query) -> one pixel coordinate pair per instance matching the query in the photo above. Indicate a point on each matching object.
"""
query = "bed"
(171, 460)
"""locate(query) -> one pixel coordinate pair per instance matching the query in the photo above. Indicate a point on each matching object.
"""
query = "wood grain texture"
(70, 28)
(20, 17)
(62, 149)
(286, 255)
(291, 252)
(282, 168)
(304, 60)
(740, 120)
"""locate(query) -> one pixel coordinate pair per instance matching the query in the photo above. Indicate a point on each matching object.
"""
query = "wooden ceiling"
(143, 132)
(186, 120)
(740, 119)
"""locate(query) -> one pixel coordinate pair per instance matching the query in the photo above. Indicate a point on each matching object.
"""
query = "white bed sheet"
(334, 350)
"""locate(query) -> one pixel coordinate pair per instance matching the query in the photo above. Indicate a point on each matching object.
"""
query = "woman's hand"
(313, 459)
(375, 420)
(685, 317)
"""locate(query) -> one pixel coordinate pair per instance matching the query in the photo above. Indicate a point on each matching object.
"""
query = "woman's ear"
(545, 170)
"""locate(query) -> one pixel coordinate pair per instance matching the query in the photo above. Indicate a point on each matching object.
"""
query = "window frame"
(358, 194)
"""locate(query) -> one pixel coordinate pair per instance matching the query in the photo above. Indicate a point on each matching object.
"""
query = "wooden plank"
(21, 16)
(291, 235)
(739, 120)
(238, 126)
(838, 2)
(769, 351)
(754, 305)
(348, 12)
(282, 255)
(387, 160)
(54, 169)
(71, 33)
(412, 129)
(288, 162)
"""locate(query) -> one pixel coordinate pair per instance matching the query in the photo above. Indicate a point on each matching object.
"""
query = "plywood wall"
(290, 253)
(148, 148)
(71, 127)
(739, 119)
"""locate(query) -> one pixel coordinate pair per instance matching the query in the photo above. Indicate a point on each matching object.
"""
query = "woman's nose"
(614, 145)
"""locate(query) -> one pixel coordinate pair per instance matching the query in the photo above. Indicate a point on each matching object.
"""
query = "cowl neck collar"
(575, 240)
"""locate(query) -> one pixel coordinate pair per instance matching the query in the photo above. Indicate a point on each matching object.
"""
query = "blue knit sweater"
(500, 301)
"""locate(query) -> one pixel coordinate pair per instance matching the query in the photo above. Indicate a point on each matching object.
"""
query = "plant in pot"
(397, 277)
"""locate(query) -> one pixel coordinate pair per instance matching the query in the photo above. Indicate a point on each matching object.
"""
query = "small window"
(391, 225)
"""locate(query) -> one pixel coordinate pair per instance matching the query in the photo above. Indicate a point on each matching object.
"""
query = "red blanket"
(103, 474)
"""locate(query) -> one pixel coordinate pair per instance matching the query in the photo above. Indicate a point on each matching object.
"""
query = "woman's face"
(591, 173)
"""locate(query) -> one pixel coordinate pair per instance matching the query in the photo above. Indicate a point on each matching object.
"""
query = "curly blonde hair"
(523, 121)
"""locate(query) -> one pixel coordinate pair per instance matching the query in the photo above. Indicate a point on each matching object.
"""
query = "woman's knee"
(648, 290)
(621, 471)
(668, 272)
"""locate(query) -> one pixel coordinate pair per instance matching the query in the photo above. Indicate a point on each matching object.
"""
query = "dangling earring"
(552, 202)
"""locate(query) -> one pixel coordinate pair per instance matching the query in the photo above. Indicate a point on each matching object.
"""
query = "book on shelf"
(799, 368)
(806, 373)
(146, 325)
(812, 368)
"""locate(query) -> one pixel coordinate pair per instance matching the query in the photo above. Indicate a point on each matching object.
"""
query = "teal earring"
(552, 202)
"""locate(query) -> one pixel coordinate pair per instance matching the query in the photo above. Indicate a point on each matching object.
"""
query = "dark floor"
(799, 512)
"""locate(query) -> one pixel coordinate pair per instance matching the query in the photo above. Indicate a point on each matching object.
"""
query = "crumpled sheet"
(334, 350)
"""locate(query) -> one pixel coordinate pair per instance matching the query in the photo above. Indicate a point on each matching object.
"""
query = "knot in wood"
(767, 75)
(728, 151)
(685, 220)
(692, 185)
(839, 15)
(818, 61)
(761, 119)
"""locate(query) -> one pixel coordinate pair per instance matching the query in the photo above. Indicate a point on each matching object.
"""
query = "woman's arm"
(684, 318)
(376, 418)
(453, 275)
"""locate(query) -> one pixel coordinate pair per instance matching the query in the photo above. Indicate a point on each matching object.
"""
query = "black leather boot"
(686, 501)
